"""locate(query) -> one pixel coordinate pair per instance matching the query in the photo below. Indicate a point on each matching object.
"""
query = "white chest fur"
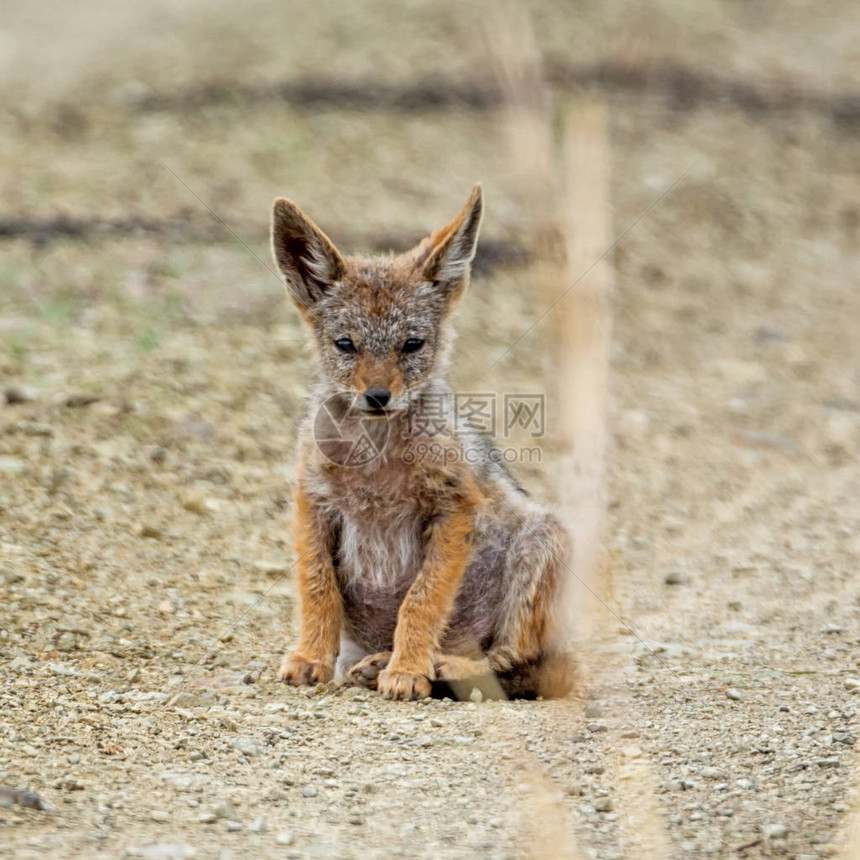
(381, 553)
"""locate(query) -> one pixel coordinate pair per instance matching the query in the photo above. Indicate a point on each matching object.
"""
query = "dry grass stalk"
(851, 829)
(543, 819)
(516, 61)
(514, 56)
(583, 330)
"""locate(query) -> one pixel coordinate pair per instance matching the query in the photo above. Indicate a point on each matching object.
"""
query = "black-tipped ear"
(304, 254)
(446, 257)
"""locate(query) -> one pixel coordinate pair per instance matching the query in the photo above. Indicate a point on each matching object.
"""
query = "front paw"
(403, 685)
(298, 671)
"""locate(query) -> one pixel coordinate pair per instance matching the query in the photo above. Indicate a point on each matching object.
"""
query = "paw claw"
(403, 686)
(300, 672)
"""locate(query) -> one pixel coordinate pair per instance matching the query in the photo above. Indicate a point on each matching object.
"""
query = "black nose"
(377, 397)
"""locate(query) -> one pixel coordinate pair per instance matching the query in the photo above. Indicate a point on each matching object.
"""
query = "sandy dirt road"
(154, 375)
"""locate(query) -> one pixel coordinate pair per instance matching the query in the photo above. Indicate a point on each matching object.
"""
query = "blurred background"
(152, 375)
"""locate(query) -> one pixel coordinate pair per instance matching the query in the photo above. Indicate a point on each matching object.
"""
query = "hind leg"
(461, 676)
(365, 673)
(533, 573)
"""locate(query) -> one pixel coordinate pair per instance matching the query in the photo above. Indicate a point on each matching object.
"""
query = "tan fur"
(312, 662)
(438, 567)
(428, 603)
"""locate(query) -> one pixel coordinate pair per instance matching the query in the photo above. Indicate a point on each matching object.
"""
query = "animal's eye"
(344, 345)
(412, 345)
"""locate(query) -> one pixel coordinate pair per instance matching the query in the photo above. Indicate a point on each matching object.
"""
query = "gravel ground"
(140, 527)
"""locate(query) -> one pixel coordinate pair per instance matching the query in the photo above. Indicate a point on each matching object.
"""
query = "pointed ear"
(304, 254)
(446, 256)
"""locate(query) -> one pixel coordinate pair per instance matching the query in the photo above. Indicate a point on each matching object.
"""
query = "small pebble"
(66, 642)
(225, 809)
(35, 428)
(17, 394)
(157, 454)
(247, 746)
(81, 400)
(60, 669)
(12, 466)
(733, 694)
(194, 502)
(11, 577)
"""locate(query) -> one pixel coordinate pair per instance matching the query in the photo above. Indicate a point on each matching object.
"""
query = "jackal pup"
(412, 569)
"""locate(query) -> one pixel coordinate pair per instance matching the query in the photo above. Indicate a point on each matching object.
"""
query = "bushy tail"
(552, 676)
